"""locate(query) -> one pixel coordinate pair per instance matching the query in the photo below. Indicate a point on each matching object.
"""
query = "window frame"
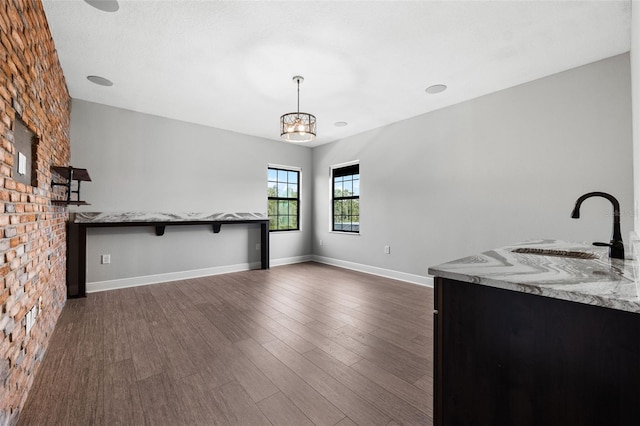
(298, 199)
(348, 165)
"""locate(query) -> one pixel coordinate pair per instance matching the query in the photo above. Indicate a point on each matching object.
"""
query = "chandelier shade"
(298, 126)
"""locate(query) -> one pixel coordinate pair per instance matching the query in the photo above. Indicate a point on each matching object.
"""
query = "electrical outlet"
(257, 246)
(387, 249)
(321, 242)
(105, 259)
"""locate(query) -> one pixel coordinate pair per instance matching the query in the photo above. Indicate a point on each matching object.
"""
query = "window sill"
(345, 233)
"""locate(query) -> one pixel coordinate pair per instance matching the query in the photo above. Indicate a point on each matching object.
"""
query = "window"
(284, 199)
(346, 198)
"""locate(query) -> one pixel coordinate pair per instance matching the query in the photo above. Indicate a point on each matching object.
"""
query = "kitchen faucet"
(616, 247)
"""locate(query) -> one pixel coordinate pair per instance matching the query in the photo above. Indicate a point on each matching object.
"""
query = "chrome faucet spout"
(616, 246)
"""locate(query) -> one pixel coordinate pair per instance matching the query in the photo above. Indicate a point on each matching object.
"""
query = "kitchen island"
(537, 339)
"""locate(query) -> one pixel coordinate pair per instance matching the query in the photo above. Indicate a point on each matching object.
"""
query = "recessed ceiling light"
(340, 123)
(104, 5)
(99, 80)
(436, 88)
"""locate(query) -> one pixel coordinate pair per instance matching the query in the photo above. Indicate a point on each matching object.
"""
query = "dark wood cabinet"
(504, 357)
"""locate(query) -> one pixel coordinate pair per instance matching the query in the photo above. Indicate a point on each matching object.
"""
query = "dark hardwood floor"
(303, 344)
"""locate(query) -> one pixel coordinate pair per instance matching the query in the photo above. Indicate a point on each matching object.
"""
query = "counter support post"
(76, 260)
(264, 244)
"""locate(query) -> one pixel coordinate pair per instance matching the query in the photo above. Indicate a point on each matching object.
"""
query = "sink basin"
(559, 253)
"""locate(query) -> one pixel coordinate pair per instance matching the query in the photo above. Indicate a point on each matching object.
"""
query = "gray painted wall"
(495, 170)
(635, 87)
(140, 162)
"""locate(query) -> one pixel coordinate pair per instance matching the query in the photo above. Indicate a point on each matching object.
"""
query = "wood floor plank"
(425, 382)
(309, 308)
(231, 330)
(335, 392)
(281, 332)
(257, 385)
(244, 371)
(281, 411)
(130, 305)
(246, 324)
(408, 344)
(50, 395)
(379, 321)
(426, 340)
(177, 362)
(318, 302)
(199, 402)
(287, 310)
(346, 422)
(392, 358)
(150, 308)
(88, 405)
(395, 407)
(122, 404)
(420, 360)
(304, 396)
(116, 339)
(90, 336)
(159, 401)
(297, 344)
(207, 363)
(174, 304)
(144, 352)
(237, 406)
(330, 346)
(418, 397)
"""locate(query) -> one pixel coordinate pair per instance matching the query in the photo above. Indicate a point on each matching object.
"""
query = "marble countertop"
(119, 217)
(611, 283)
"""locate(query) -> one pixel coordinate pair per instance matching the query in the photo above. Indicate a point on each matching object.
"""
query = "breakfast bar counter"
(79, 222)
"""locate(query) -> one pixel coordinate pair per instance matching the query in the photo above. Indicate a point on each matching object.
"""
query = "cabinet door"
(437, 355)
(510, 358)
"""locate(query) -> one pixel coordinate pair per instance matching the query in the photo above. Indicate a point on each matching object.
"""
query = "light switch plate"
(22, 163)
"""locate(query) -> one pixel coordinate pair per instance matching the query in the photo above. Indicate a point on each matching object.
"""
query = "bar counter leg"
(76, 260)
(264, 245)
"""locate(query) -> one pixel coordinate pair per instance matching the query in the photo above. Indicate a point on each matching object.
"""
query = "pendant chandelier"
(298, 126)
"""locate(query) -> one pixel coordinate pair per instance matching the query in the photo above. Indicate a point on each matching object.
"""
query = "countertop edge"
(600, 301)
(602, 282)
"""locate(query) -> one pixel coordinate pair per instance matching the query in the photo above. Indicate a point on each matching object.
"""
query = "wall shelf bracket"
(69, 175)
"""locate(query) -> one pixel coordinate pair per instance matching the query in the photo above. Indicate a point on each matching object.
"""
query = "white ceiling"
(229, 64)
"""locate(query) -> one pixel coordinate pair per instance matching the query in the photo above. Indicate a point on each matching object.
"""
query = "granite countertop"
(119, 217)
(601, 281)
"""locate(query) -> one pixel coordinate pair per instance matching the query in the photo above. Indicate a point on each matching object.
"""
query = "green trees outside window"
(284, 199)
(346, 199)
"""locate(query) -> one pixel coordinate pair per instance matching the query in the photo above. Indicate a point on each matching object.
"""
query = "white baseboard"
(387, 273)
(291, 260)
(185, 275)
(97, 286)
(170, 276)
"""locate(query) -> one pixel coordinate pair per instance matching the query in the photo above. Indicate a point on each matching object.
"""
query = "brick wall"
(32, 230)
